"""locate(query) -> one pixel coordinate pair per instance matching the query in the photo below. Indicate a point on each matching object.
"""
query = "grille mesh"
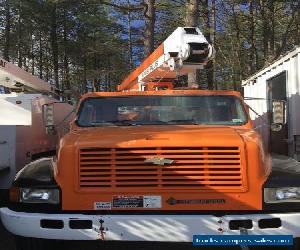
(201, 168)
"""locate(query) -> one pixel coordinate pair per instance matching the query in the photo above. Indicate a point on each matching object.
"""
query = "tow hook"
(244, 231)
(101, 230)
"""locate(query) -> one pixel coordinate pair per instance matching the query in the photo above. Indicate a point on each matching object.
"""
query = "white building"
(279, 81)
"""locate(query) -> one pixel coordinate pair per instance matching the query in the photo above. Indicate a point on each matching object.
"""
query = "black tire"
(24, 243)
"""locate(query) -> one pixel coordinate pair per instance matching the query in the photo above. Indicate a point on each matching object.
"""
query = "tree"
(191, 19)
(149, 14)
(75, 42)
(7, 30)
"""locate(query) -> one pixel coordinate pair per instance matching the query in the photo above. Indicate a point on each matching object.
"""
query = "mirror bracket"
(276, 127)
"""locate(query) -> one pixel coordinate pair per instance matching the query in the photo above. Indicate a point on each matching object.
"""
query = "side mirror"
(48, 118)
(278, 115)
(279, 111)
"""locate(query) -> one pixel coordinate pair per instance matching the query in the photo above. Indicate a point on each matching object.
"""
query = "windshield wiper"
(114, 122)
(183, 122)
(125, 122)
(96, 124)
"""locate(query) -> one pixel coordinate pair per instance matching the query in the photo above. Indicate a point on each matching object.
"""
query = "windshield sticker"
(102, 205)
(152, 201)
(237, 120)
(137, 201)
(128, 201)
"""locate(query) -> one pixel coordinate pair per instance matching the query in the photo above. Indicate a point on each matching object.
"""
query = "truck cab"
(148, 166)
(163, 165)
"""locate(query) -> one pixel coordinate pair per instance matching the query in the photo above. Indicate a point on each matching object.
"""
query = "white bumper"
(178, 228)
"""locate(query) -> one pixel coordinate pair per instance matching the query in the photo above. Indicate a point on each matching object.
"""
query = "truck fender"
(38, 173)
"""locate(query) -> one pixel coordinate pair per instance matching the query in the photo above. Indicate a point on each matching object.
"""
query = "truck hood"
(174, 163)
(147, 136)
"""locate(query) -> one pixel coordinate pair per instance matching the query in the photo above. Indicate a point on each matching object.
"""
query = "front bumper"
(169, 228)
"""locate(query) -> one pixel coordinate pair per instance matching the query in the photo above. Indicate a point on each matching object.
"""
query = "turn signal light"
(14, 194)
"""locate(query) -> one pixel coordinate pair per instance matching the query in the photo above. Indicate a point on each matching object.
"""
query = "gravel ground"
(6, 240)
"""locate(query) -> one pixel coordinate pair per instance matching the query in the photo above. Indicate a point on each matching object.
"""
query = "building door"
(276, 88)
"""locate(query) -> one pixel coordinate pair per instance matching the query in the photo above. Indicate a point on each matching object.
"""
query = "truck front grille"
(192, 167)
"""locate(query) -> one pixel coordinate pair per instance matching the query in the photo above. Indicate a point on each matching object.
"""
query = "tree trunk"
(253, 52)
(40, 56)
(19, 36)
(129, 37)
(271, 17)
(47, 61)
(191, 19)
(149, 26)
(7, 31)
(237, 48)
(85, 87)
(265, 29)
(54, 43)
(192, 13)
(297, 40)
(32, 58)
(211, 36)
(66, 59)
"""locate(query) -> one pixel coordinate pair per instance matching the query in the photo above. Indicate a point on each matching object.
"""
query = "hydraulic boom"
(184, 51)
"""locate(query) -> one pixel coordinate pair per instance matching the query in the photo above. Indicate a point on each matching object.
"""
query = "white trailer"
(279, 81)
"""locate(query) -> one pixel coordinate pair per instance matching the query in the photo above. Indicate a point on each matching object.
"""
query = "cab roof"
(162, 92)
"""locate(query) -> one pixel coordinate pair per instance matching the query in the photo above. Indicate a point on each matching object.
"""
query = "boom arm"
(184, 51)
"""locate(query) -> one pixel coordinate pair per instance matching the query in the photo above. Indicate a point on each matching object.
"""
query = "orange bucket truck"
(159, 165)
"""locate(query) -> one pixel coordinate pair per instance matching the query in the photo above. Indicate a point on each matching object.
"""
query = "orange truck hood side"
(211, 167)
(128, 136)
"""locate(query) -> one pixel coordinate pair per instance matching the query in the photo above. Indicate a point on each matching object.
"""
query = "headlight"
(286, 194)
(34, 195)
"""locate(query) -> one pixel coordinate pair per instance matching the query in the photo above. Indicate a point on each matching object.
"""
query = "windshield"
(148, 110)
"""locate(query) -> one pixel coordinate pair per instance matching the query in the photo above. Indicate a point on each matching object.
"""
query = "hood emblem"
(159, 161)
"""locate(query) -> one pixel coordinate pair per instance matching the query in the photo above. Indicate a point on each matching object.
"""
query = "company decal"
(151, 68)
(137, 201)
(173, 201)
(102, 205)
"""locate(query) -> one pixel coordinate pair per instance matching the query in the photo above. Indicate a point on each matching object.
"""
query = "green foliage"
(88, 40)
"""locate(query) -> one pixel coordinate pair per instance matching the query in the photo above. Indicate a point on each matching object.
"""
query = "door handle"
(3, 142)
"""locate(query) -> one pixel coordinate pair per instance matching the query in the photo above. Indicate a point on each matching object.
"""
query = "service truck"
(22, 134)
(158, 165)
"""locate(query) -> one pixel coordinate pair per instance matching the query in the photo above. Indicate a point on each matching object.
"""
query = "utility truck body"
(22, 134)
(155, 166)
(140, 165)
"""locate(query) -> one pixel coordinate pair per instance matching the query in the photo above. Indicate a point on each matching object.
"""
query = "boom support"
(184, 51)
